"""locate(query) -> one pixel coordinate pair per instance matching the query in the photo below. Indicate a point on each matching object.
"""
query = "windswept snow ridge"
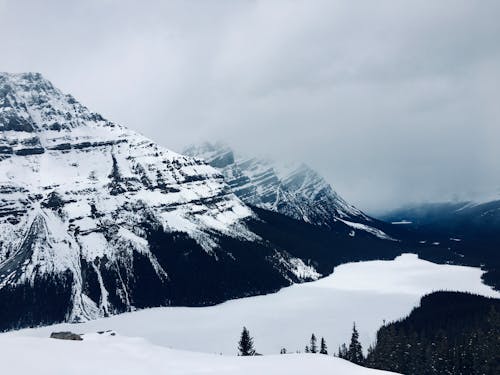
(105, 354)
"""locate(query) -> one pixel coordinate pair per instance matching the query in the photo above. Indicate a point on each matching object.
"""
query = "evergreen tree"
(342, 351)
(369, 361)
(323, 347)
(245, 345)
(313, 347)
(306, 349)
(355, 352)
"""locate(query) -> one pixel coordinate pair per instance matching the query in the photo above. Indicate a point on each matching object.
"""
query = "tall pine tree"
(313, 348)
(355, 352)
(323, 348)
(245, 345)
(342, 352)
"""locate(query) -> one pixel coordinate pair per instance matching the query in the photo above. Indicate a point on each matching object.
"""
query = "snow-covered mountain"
(96, 219)
(461, 233)
(292, 189)
(92, 215)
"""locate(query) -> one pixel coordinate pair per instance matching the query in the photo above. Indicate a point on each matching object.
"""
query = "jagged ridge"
(292, 189)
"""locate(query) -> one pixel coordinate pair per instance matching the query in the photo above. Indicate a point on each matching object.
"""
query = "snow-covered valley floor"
(365, 292)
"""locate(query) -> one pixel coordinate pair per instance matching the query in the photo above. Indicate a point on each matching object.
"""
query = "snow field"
(116, 355)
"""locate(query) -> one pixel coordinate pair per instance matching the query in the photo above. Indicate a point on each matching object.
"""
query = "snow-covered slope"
(292, 189)
(109, 355)
(92, 215)
(365, 292)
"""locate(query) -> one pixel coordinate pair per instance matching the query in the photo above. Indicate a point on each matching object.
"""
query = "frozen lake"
(366, 293)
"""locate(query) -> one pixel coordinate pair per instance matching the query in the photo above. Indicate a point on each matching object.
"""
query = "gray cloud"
(392, 101)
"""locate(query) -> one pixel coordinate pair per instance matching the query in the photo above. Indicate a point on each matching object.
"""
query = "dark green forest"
(449, 333)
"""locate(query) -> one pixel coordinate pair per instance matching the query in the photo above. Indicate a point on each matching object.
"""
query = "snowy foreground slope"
(365, 292)
(110, 355)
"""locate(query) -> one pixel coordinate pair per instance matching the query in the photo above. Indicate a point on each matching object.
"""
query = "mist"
(392, 102)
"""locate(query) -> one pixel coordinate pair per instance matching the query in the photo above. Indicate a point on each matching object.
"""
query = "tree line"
(246, 346)
(450, 333)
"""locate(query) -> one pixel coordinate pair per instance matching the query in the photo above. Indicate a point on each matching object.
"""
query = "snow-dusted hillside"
(365, 292)
(109, 355)
(292, 189)
(92, 215)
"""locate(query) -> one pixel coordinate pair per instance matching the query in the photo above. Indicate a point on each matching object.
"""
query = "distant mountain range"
(457, 218)
(469, 229)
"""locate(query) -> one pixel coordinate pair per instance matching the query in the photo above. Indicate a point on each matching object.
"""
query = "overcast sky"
(392, 101)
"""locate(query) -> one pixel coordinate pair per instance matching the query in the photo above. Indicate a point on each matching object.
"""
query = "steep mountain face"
(96, 219)
(291, 189)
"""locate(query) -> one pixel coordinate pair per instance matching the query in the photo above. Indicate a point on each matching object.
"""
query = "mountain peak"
(31, 82)
(23, 76)
(81, 199)
(293, 189)
(30, 103)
